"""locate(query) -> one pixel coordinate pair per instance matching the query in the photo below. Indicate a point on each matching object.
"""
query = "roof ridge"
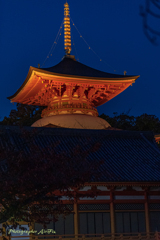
(153, 145)
(81, 132)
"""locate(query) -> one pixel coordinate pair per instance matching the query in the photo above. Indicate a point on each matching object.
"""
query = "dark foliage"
(144, 122)
(36, 177)
(24, 115)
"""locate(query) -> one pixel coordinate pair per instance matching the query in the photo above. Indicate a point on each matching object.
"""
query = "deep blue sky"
(112, 28)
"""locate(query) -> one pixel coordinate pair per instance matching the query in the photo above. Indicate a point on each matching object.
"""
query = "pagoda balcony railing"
(71, 108)
(109, 236)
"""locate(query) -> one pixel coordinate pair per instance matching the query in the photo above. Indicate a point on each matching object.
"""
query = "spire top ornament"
(67, 30)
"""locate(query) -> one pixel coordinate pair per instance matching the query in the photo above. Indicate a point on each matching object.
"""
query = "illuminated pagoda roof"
(106, 85)
(70, 88)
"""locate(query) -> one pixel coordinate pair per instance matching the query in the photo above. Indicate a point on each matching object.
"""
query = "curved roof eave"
(24, 83)
(45, 71)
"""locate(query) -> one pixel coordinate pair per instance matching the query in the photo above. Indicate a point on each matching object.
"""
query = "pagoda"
(70, 90)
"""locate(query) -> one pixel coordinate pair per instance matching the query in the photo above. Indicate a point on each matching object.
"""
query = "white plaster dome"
(77, 121)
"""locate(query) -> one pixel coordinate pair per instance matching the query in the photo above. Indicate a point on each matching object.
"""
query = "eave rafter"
(114, 184)
(42, 88)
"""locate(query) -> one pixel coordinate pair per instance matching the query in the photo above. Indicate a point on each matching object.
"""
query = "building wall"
(120, 210)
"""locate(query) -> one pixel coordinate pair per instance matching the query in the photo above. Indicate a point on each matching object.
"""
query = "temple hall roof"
(128, 156)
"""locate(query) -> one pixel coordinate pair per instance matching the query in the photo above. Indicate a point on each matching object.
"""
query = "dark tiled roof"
(128, 156)
(71, 67)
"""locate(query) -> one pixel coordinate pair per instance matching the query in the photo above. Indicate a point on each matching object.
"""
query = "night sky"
(112, 28)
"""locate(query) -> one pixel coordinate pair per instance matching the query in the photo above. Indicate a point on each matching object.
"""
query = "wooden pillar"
(31, 227)
(112, 212)
(75, 218)
(147, 212)
(3, 230)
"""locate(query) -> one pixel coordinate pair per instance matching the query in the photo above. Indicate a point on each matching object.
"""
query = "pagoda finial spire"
(67, 29)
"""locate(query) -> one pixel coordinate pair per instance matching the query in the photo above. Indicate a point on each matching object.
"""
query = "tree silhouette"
(151, 9)
(123, 121)
(33, 177)
(24, 115)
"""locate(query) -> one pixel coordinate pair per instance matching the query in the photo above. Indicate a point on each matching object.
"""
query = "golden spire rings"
(67, 30)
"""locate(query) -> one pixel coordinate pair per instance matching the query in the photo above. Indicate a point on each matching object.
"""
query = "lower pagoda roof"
(43, 84)
(127, 156)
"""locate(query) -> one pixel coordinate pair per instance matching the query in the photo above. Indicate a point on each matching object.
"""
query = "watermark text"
(21, 232)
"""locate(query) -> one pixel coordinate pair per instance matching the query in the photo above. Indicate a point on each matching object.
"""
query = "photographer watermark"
(21, 232)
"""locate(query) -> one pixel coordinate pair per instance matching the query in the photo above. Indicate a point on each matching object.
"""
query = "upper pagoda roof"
(69, 66)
